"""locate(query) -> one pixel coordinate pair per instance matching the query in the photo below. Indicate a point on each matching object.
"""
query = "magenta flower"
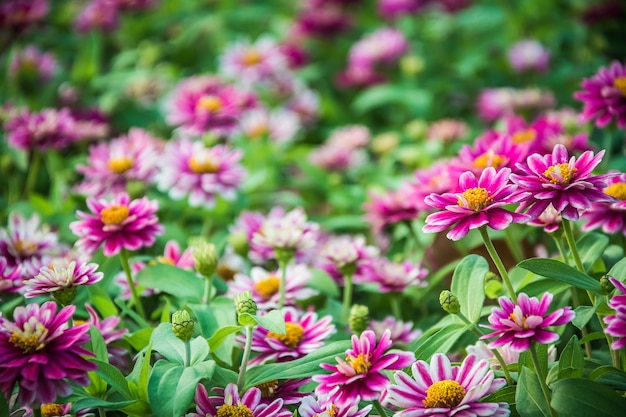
(616, 323)
(402, 332)
(343, 149)
(249, 63)
(32, 64)
(529, 55)
(323, 19)
(10, 277)
(323, 406)
(383, 210)
(490, 150)
(611, 217)
(566, 183)
(118, 224)
(604, 96)
(118, 356)
(19, 14)
(345, 254)
(62, 276)
(391, 9)
(447, 130)
(550, 220)
(393, 277)
(519, 325)
(494, 103)
(361, 374)
(48, 129)
(287, 390)
(41, 354)
(384, 46)
(201, 174)
(442, 390)
(249, 404)
(437, 178)
(479, 203)
(97, 15)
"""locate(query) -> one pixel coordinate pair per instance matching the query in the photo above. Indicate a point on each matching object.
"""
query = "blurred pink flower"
(10, 277)
(529, 55)
(345, 254)
(47, 129)
(97, 15)
(280, 126)
(392, 207)
(34, 64)
(322, 18)
(391, 276)
(494, 103)
(401, 332)
(610, 216)
(383, 46)
(392, 9)
(616, 323)
(604, 96)
(447, 130)
(19, 14)
(249, 63)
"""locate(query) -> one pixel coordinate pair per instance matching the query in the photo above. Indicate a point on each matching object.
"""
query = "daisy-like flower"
(550, 220)
(437, 178)
(305, 103)
(118, 356)
(265, 286)
(394, 206)
(529, 55)
(280, 126)
(10, 277)
(323, 406)
(519, 325)
(490, 150)
(305, 334)
(231, 403)
(393, 277)
(384, 46)
(479, 202)
(343, 149)
(32, 64)
(444, 390)
(253, 62)
(117, 224)
(112, 166)
(61, 278)
(402, 332)
(494, 103)
(201, 174)
(616, 323)
(447, 130)
(611, 217)
(345, 254)
(41, 354)
(287, 390)
(48, 129)
(361, 374)
(566, 183)
(604, 96)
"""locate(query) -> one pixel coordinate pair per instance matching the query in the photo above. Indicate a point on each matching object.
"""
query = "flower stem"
(513, 246)
(378, 406)
(283, 283)
(541, 377)
(347, 297)
(498, 262)
(131, 283)
(206, 297)
(569, 237)
(33, 170)
(37, 412)
(187, 353)
(101, 412)
(245, 358)
(395, 305)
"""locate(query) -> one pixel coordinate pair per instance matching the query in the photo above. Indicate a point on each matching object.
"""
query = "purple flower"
(62, 276)
(519, 325)
(616, 323)
(345, 254)
(10, 277)
(391, 276)
(48, 129)
(361, 374)
(383, 210)
(391, 9)
(529, 54)
(384, 46)
(402, 332)
(611, 217)
(480, 202)
(97, 15)
(604, 96)
(232, 403)
(32, 64)
(439, 389)
(41, 354)
(566, 183)
(323, 406)
(19, 14)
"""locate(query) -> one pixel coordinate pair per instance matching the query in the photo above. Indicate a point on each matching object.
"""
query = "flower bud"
(239, 242)
(449, 302)
(359, 318)
(65, 296)
(205, 258)
(182, 325)
(606, 284)
(245, 304)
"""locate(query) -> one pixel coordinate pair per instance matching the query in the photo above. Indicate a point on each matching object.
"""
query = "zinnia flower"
(509, 356)
(361, 374)
(323, 406)
(19, 14)
(232, 404)
(287, 390)
(391, 276)
(384, 46)
(519, 325)
(249, 63)
(118, 224)
(61, 278)
(611, 217)
(480, 202)
(47, 129)
(439, 389)
(345, 254)
(32, 64)
(616, 323)
(10, 277)
(529, 54)
(402, 332)
(41, 354)
(604, 96)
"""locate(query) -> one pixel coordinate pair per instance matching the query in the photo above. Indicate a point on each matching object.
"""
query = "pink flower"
(510, 356)
(97, 15)
(395, 206)
(384, 46)
(48, 129)
(616, 323)
(10, 277)
(479, 202)
(62, 276)
(323, 19)
(392, 9)
(442, 390)
(494, 103)
(118, 224)
(305, 103)
(233, 404)
(41, 354)
(393, 277)
(324, 406)
(201, 174)
(519, 325)
(490, 150)
(358, 76)
(249, 63)
(446, 130)
(287, 390)
(550, 220)
(529, 55)
(19, 14)
(345, 254)
(610, 216)
(438, 178)
(401, 332)
(566, 183)
(280, 126)
(604, 96)
(343, 149)
(361, 374)
(31, 63)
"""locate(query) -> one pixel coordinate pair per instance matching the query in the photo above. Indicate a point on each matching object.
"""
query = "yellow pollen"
(293, 335)
(560, 173)
(51, 410)
(203, 166)
(267, 287)
(521, 323)
(523, 136)
(476, 198)
(31, 338)
(617, 190)
(166, 260)
(250, 58)
(120, 165)
(332, 410)
(210, 103)
(79, 322)
(114, 214)
(489, 159)
(620, 84)
(444, 394)
(228, 410)
(25, 247)
(361, 364)
(268, 389)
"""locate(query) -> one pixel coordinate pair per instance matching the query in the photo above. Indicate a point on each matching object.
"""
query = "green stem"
(131, 284)
(571, 242)
(33, 170)
(101, 412)
(187, 353)
(37, 412)
(418, 245)
(541, 377)
(206, 297)
(395, 305)
(498, 262)
(379, 408)
(283, 283)
(246, 357)
(513, 245)
(347, 298)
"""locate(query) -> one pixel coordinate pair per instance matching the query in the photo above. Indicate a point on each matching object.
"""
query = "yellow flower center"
(120, 165)
(489, 159)
(444, 394)
(268, 389)
(361, 363)
(523, 136)
(251, 57)
(258, 131)
(210, 103)
(560, 173)
(166, 260)
(228, 410)
(617, 190)
(203, 165)
(25, 247)
(476, 198)
(520, 322)
(293, 335)
(31, 338)
(267, 287)
(51, 410)
(620, 84)
(114, 214)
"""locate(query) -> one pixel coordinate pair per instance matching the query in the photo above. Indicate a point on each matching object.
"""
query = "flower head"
(345, 254)
(529, 54)
(97, 15)
(444, 390)
(19, 14)
(494, 103)
(616, 323)
(384, 46)
(253, 62)
(391, 276)
(10, 277)
(32, 64)
(509, 356)
(47, 129)
(611, 217)
(394, 206)
(231, 403)
(604, 96)
(324, 406)
(62, 276)
(402, 332)
(520, 324)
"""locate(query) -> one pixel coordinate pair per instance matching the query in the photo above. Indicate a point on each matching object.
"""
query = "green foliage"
(468, 284)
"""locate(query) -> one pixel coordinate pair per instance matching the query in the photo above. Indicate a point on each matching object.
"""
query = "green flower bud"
(244, 304)
(412, 65)
(606, 285)
(449, 302)
(359, 318)
(182, 325)
(205, 258)
(65, 296)
(239, 242)
(284, 255)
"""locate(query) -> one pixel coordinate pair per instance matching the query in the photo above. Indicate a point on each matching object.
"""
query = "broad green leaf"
(583, 315)
(97, 345)
(540, 286)
(172, 280)
(216, 340)
(102, 301)
(139, 339)
(4, 405)
(321, 281)
(529, 399)
(440, 341)
(592, 336)
(211, 318)
(577, 397)
(591, 247)
(167, 344)
(505, 394)
(86, 403)
(468, 284)
(114, 378)
(551, 268)
(415, 100)
(609, 376)
(572, 360)
(274, 321)
(619, 270)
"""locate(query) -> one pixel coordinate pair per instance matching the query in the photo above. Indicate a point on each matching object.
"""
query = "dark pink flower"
(33, 64)
(323, 19)
(233, 403)
(610, 216)
(395, 206)
(60, 276)
(97, 15)
(10, 277)
(616, 323)
(287, 390)
(384, 46)
(519, 325)
(604, 96)
(402, 332)
(393, 277)
(344, 254)
(392, 9)
(19, 14)
(47, 129)
(323, 406)
(494, 103)
(41, 354)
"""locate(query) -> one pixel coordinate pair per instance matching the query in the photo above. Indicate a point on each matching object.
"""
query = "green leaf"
(4, 405)
(591, 247)
(619, 270)
(529, 399)
(416, 100)
(167, 344)
(321, 281)
(274, 321)
(86, 403)
(572, 360)
(218, 338)
(551, 268)
(468, 284)
(210, 319)
(114, 378)
(583, 315)
(139, 339)
(97, 345)
(504, 395)
(102, 301)
(172, 280)
(592, 336)
(576, 397)
(440, 341)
